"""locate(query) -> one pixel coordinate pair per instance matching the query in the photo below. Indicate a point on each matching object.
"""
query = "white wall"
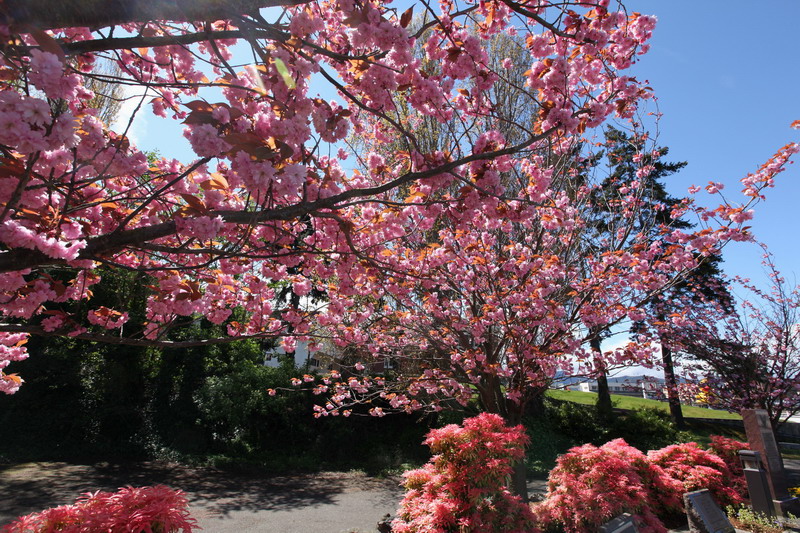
(301, 355)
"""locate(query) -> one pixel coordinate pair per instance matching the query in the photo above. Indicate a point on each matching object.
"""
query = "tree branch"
(141, 41)
(20, 259)
(50, 14)
(113, 339)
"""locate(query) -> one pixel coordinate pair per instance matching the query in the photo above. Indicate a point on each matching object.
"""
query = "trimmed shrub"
(697, 469)
(728, 450)
(579, 422)
(463, 487)
(591, 485)
(156, 509)
(646, 429)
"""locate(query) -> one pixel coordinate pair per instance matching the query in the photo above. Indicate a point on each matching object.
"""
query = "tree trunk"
(603, 405)
(675, 410)
(519, 476)
(535, 405)
(519, 480)
(491, 400)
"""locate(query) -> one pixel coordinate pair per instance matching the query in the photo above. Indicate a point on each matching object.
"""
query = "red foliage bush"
(463, 487)
(728, 450)
(589, 486)
(697, 469)
(156, 509)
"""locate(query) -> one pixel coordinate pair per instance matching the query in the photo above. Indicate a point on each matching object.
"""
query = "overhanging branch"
(109, 244)
(127, 341)
(52, 14)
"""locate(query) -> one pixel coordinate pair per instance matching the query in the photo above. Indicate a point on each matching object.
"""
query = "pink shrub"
(589, 486)
(156, 509)
(463, 487)
(697, 469)
(728, 450)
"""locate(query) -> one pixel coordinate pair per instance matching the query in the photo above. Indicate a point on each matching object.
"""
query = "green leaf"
(280, 66)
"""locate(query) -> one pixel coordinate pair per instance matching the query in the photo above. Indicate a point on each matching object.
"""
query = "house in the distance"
(643, 386)
(302, 356)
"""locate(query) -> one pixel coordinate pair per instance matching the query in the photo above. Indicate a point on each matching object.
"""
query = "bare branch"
(128, 341)
(47, 14)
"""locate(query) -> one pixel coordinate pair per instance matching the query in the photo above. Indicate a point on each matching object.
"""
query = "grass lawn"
(630, 402)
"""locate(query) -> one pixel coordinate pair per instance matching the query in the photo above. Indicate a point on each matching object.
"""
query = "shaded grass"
(631, 402)
(700, 432)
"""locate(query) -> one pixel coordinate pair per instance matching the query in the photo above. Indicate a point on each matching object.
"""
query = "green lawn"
(630, 402)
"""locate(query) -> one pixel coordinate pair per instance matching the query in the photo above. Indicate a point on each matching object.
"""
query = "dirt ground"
(328, 502)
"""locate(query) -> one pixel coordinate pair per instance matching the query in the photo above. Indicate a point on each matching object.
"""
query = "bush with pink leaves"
(463, 487)
(156, 509)
(590, 486)
(728, 450)
(697, 469)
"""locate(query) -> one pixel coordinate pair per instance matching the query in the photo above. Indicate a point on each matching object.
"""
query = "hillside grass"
(630, 403)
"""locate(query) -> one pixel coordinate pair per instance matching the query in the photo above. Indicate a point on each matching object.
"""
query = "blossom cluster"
(12, 348)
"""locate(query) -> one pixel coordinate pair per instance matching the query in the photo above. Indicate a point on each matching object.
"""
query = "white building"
(302, 356)
(640, 386)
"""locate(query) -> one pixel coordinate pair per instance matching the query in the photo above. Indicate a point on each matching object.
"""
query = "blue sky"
(727, 78)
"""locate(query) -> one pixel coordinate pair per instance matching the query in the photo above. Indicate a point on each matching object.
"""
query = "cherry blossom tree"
(750, 354)
(488, 291)
(481, 289)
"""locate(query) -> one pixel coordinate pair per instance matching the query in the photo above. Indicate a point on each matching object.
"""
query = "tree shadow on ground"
(32, 487)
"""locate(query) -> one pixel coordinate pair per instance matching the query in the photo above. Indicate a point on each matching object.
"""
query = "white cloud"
(133, 115)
